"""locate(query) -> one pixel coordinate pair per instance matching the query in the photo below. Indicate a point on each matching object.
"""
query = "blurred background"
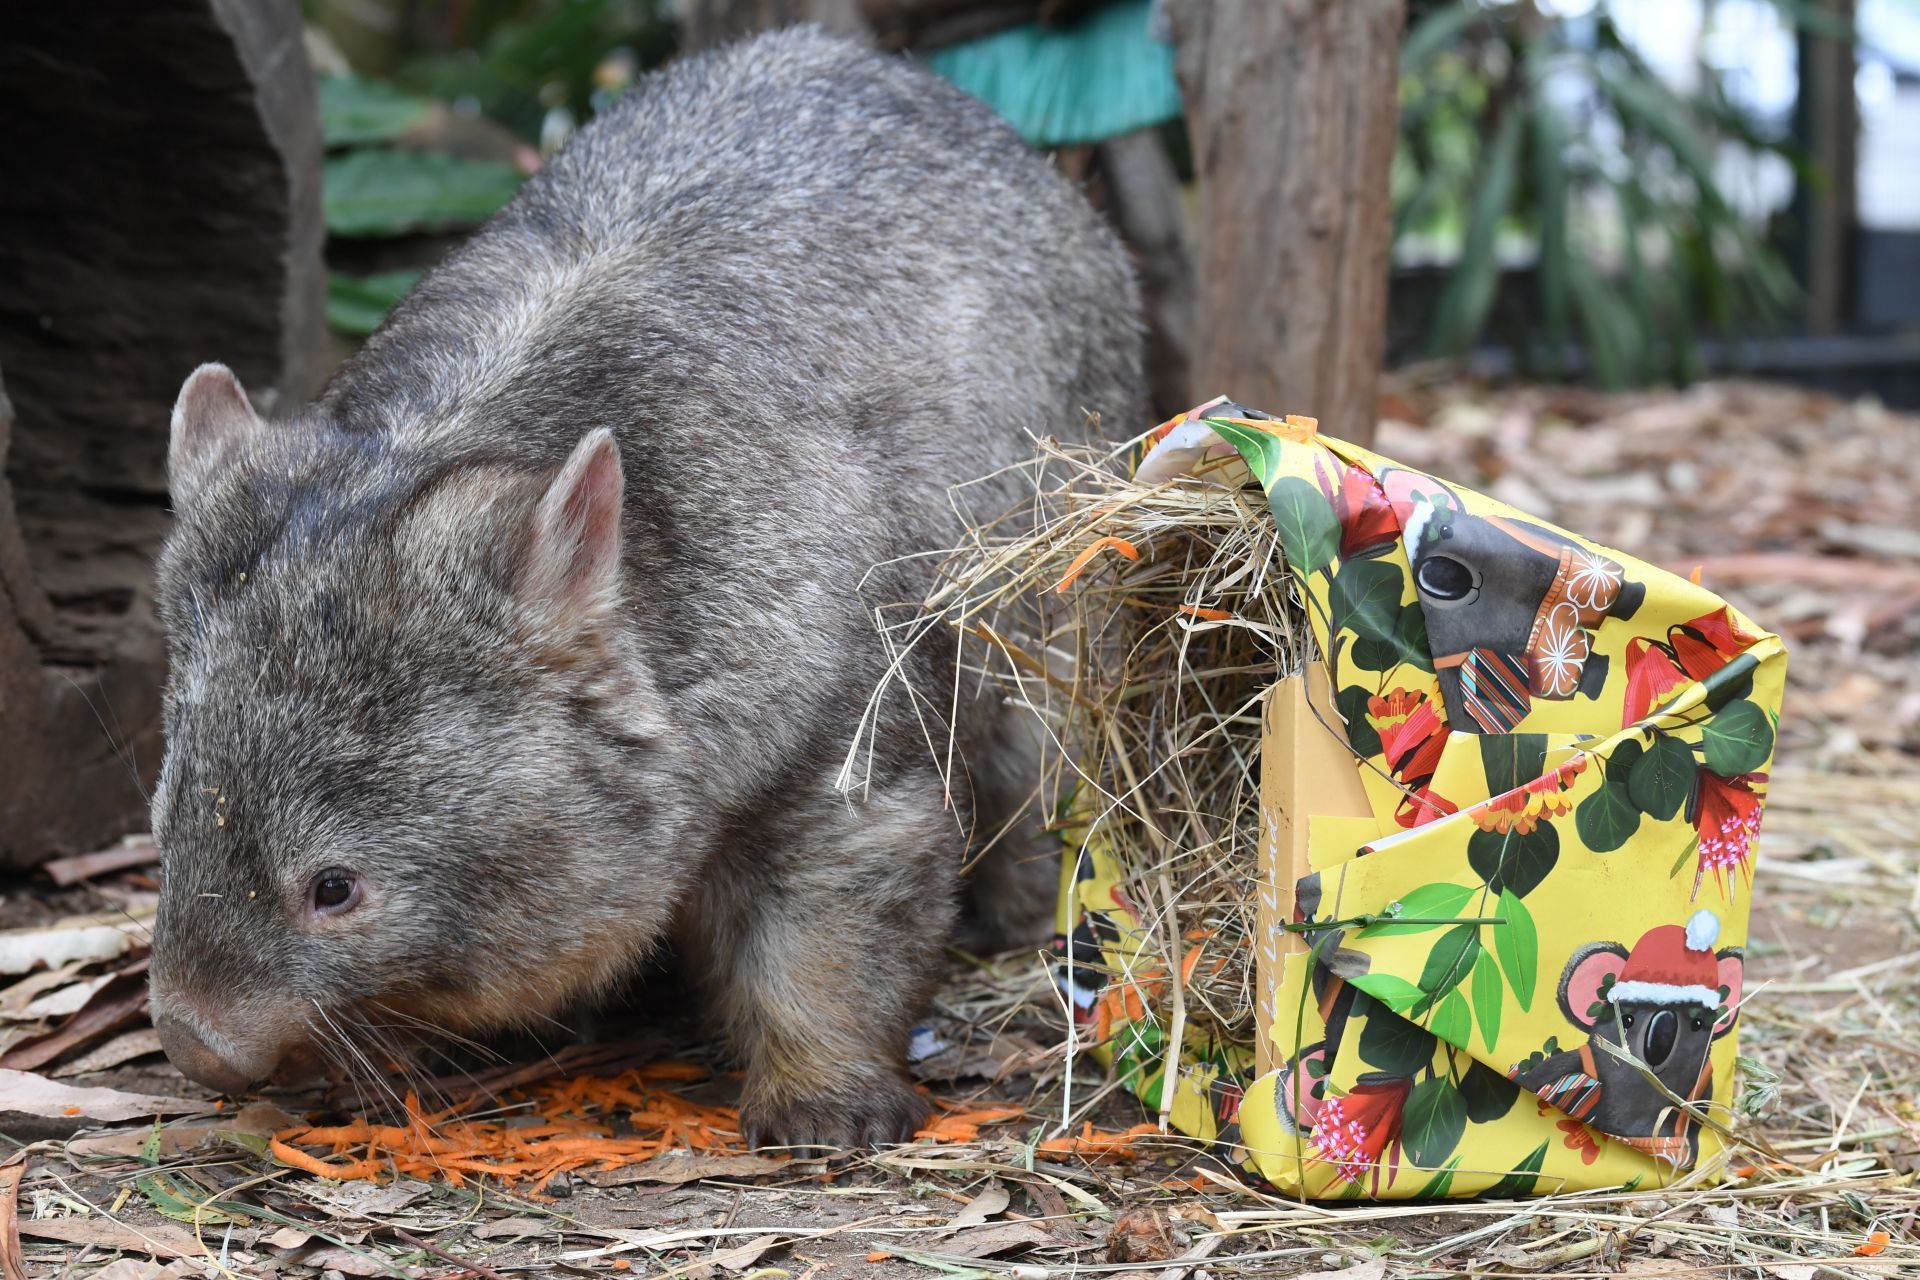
(1525, 241)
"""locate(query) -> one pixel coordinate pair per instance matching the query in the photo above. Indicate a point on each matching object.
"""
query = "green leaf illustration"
(1389, 989)
(1512, 759)
(1489, 994)
(1395, 1045)
(1523, 1179)
(1429, 902)
(1608, 818)
(1371, 654)
(1410, 633)
(1451, 1020)
(1366, 598)
(1440, 1185)
(1517, 942)
(1731, 682)
(1739, 739)
(1512, 859)
(1451, 959)
(1309, 532)
(1660, 779)
(1261, 453)
(1435, 1118)
(1488, 1094)
(1351, 702)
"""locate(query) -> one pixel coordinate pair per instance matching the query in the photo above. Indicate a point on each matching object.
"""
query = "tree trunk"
(1292, 106)
(1828, 123)
(706, 23)
(161, 208)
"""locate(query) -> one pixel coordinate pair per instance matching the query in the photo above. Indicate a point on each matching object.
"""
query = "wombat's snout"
(188, 1050)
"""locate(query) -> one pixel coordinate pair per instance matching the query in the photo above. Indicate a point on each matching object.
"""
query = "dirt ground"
(1799, 507)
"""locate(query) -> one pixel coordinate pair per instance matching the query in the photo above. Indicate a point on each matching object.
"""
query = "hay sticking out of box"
(1142, 627)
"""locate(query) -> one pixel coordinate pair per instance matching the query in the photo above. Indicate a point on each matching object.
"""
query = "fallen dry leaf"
(161, 1240)
(36, 1095)
(121, 1001)
(1141, 1235)
(134, 851)
(22, 950)
(256, 1119)
(743, 1256)
(1001, 1237)
(676, 1167)
(992, 1200)
(346, 1261)
(363, 1199)
(16, 997)
(123, 1048)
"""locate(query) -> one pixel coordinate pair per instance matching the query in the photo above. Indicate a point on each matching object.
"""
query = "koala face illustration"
(1658, 1007)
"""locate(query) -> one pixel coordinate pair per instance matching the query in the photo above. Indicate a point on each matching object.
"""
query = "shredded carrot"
(565, 1126)
(73, 1111)
(623, 1264)
(1205, 614)
(1098, 1144)
(1190, 963)
(1875, 1246)
(1081, 561)
(878, 1255)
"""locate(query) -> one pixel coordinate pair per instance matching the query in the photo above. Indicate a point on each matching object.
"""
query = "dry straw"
(1142, 627)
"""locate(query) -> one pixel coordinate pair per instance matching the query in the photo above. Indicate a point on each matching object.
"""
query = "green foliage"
(354, 111)
(388, 192)
(1514, 861)
(357, 304)
(517, 60)
(1518, 131)
(1608, 818)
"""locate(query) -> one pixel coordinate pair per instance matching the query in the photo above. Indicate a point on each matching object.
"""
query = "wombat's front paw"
(873, 1114)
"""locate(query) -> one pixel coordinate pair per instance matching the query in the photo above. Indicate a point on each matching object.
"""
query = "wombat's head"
(414, 768)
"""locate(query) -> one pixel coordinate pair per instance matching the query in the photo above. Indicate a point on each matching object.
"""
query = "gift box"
(1507, 817)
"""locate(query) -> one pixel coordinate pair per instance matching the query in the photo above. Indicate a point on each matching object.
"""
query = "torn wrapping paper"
(1508, 830)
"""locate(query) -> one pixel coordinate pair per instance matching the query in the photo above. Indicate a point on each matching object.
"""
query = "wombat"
(538, 642)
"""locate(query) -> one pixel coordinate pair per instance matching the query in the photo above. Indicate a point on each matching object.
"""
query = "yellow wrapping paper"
(1507, 955)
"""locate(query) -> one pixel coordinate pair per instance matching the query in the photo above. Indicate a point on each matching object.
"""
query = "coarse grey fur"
(550, 704)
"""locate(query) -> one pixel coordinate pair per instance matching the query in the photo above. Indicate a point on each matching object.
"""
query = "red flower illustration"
(1727, 815)
(1355, 1130)
(1692, 651)
(1366, 517)
(1578, 1139)
(1412, 736)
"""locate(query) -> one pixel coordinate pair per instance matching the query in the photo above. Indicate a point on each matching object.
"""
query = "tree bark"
(1292, 106)
(161, 208)
(1828, 121)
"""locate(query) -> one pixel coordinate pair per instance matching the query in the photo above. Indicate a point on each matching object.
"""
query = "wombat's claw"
(871, 1117)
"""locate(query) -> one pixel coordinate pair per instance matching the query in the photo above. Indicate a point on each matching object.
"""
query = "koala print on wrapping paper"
(1660, 1005)
(1510, 606)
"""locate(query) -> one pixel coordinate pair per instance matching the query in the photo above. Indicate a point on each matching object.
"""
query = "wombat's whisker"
(366, 1069)
(122, 748)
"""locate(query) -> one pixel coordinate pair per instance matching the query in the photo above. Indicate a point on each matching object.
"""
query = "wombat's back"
(809, 288)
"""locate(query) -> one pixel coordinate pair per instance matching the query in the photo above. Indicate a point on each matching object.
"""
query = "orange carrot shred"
(1875, 1246)
(1206, 614)
(878, 1255)
(1081, 561)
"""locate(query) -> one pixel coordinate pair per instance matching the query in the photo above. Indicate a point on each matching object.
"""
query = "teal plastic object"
(1100, 77)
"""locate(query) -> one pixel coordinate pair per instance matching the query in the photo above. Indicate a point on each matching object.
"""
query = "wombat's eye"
(335, 890)
(1445, 578)
(1626, 1020)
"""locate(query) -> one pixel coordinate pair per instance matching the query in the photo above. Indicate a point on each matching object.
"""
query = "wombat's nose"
(197, 1059)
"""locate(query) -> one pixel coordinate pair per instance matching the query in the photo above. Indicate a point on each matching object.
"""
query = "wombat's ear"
(571, 574)
(211, 420)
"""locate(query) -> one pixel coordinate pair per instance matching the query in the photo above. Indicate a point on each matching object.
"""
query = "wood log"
(161, 208)
(1292, 106)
